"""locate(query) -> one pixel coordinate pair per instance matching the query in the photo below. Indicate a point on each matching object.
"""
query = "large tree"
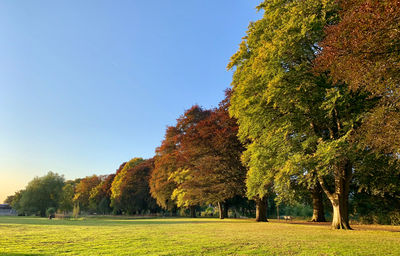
(362, 49)
(166, 160)
(295, 121)
(211, 171)
(170, 165)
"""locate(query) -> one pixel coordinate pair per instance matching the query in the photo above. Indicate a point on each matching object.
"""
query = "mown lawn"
(182, 236)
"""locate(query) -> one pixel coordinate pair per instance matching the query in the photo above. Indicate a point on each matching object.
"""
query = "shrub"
(50, 212)
(394, 217)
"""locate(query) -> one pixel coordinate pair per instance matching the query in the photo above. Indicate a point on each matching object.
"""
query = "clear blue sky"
(87, 85)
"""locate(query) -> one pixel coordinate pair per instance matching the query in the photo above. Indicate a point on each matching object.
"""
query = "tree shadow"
(110, 221)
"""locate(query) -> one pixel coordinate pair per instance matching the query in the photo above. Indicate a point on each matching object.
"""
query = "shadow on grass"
(355, 227)
(110, 221)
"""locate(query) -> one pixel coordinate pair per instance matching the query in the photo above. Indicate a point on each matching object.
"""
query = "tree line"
(312, 117)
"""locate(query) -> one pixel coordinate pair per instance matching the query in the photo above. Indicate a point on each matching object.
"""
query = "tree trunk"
(261, 209)
(193, 211)
(277, 212)
(340, 198)
(174, 211)
(226, 208)
(318, 206)
(221, 210)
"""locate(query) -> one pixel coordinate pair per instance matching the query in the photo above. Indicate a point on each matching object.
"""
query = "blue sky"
(87, 85)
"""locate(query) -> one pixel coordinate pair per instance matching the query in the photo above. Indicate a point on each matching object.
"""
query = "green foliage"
(104, 205)
(40, 194)
(276, 98)
(50, 211)
(300, 126)
(9, 199)
(100, 196)
(66, 202)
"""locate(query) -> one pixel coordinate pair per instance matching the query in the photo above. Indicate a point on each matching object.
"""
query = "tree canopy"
(40, 194)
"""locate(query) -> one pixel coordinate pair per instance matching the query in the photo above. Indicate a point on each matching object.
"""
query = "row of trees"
(312, 117)
(127, 192)
(197, 164)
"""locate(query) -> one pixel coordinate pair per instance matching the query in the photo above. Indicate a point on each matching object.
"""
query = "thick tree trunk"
(221, 210)
(318, 206)
(193, 211)
(340, 198)
(261, 209)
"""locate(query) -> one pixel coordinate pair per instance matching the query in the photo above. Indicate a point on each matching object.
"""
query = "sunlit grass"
(182, 236)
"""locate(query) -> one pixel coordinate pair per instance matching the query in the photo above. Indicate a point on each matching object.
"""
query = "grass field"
(182, 236)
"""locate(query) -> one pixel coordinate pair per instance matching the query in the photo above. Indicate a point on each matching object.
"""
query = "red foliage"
(83, 189)
(363, 50)
(135, 191)
(212, 151)
(168, 157)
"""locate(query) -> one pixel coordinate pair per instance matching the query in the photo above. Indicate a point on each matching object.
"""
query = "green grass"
(182, 236)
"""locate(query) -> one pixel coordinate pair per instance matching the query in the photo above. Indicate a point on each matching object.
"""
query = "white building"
(6, 210)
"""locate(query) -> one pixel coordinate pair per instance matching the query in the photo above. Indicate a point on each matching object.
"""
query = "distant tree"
(66, 203)
(40, 194)
(83, 190)
(100, 196)
(9, 199)
(134, 189)
(121, 175)
(16, 202)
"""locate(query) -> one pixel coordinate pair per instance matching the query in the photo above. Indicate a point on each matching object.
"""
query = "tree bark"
(221, 210)
(261, 209)
(340, 197)
(193, 211)
(277, 212)
(318, 206)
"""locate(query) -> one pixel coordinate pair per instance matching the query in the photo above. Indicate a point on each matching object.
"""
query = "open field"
(182, 236)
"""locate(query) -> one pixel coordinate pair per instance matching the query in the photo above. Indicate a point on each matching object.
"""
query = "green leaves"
(275, 93)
